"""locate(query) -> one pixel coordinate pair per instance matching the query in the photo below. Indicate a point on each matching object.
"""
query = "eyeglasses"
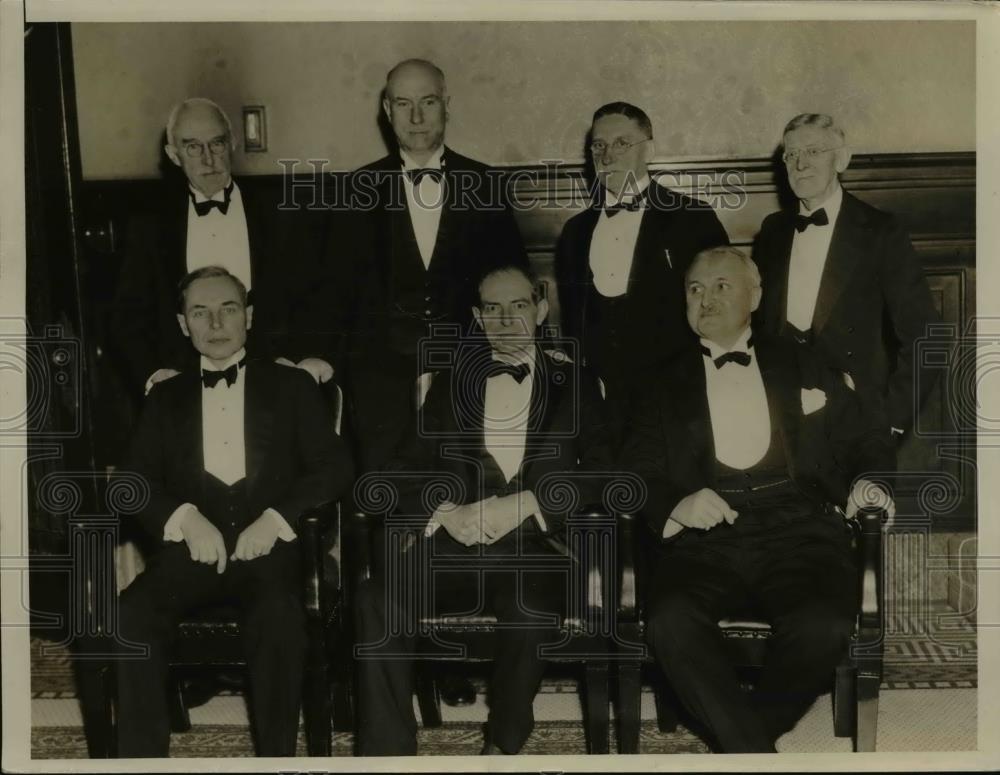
(195, 149)
(618, 147)
(810, 154)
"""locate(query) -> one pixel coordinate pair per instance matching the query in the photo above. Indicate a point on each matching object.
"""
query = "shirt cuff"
(530, 504)
(172, 529)
(285, 532)
(672, 528)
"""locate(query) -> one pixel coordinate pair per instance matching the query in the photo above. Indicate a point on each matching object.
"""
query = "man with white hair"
(213, 220)
(842, 277)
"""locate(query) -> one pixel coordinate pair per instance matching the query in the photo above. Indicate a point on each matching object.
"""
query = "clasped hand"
(482, 522)
(205, 542)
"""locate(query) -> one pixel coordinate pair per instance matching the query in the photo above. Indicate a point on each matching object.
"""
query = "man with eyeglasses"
(620, 264)
(842, 277)
(213, 220)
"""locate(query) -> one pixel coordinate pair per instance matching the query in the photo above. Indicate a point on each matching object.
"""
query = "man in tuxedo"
(233, 453)
(404, 255)
(620, 264)
(213, 220)
(736, 442)
(500, 431)
(841, 276)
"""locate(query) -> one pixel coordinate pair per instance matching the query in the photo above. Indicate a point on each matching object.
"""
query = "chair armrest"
(869, 523)
(628, 577)
(313, 523)
(360, 566)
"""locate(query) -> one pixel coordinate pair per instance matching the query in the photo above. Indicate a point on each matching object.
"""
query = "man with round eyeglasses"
(211, 220)
(842, 277)
(620, 264)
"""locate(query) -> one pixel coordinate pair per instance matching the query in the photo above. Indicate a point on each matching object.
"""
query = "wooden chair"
(857, 679)
(586, 629)
(208, 642)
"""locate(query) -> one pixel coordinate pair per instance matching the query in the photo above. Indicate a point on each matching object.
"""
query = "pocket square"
(847, 380)
(813, 399)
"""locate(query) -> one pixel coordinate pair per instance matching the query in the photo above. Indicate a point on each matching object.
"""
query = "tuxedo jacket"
(283, 254)
(672, 231)
(566, 445)
(874, 303)
(294, 458)
(671, 446)
(371, 244)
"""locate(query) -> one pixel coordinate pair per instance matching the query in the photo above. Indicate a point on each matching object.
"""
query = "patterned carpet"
(927, 678)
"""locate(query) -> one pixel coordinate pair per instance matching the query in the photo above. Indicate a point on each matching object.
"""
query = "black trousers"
(528, 605)
(272, 624)
(800, 576)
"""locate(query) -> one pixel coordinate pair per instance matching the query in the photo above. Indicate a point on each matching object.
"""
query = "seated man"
(498, 429)
(736, 445)
(233, 455)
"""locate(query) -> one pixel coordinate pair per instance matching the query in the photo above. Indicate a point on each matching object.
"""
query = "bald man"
(736, 442)
(404, 257)
(209, 218)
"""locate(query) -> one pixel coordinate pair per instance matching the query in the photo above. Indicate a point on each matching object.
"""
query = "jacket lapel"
(187, 425)
(846, 248)
(175, 238)
(783, 399)
(258, 418)
(256, 234)
(689, 404)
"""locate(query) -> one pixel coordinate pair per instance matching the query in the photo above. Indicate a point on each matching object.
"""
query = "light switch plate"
(254, 128)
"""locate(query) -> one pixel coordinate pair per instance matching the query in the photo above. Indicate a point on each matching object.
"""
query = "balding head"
(723, 289)
(416, 105)
(200, 142)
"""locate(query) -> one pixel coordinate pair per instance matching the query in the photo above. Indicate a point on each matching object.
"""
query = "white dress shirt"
(223, 442)
(217, 239)
(424, 204)
(612, 245)
(737, 406)
(805, 268)
(737, 403)
(506, 410)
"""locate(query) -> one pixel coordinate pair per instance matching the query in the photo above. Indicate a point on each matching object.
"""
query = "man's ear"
(184, 325)
(249, 311)
(172, 154)
(755, 297)
(543, 312)
(385, 108)
(842, 159)
(650, 151)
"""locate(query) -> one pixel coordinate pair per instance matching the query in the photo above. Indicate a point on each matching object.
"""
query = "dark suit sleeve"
(857, 439)
(148, 458)
(324, 468)
(593, 446)
(134, 312)
(711, 232)
(645, 454)
(911, 309)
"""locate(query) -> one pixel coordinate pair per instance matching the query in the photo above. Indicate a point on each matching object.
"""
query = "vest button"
(850, 353)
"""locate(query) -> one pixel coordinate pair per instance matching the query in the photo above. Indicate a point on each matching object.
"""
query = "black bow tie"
(737, 357)
(417, 175)
(211, 378)
(202, 208)
(634, 204)
(818, 218)
(518, 372)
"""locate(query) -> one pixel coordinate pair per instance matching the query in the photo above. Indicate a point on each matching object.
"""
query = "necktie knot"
(818, 218)
(211, 378)
(518, 372)
(738, 357)
(203, 208)
(416, 175)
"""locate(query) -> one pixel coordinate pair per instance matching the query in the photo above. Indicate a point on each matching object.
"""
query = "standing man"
(233, 454)
(213, 220)
(841, 276)
(620, 264)
(736, 444)
(405, 255)
(508, 425)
